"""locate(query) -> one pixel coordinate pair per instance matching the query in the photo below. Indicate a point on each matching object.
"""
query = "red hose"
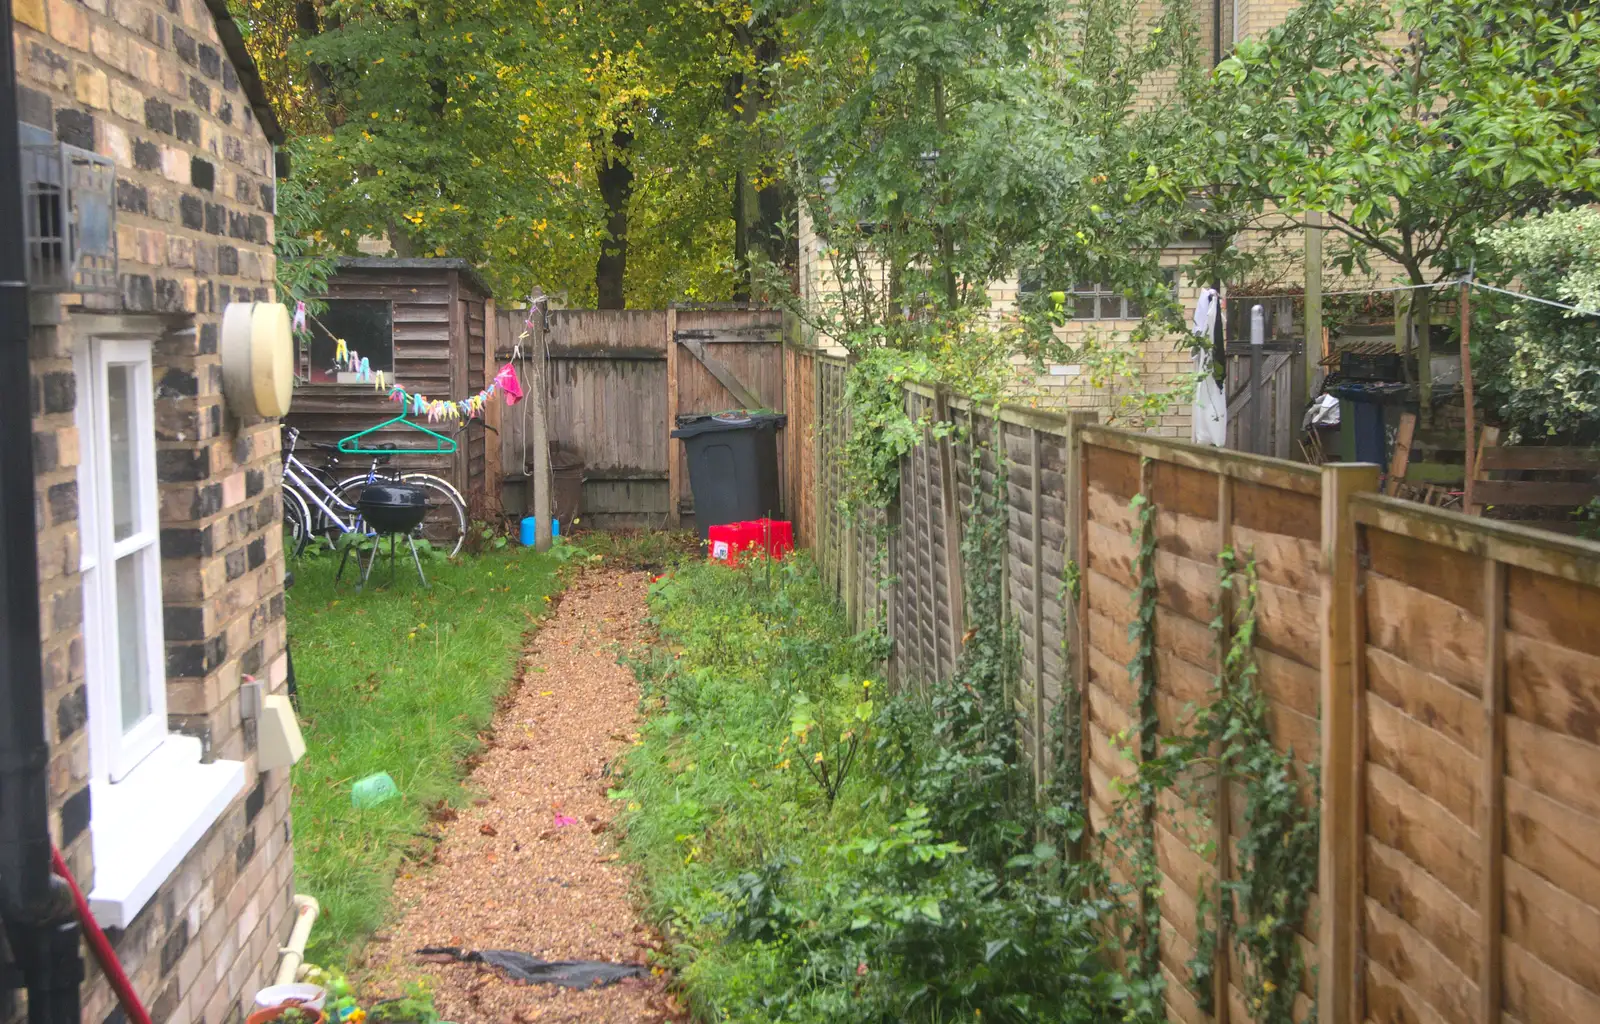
(102, 947)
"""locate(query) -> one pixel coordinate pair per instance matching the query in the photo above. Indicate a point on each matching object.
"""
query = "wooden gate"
(1278, 396)
(615, 382)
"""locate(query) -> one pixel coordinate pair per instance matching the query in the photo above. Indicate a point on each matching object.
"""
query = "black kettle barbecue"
(394, 509)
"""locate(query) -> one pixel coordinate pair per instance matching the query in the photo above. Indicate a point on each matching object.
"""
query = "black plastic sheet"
(521, 966)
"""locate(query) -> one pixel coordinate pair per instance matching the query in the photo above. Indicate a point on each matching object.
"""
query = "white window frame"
(113, 753)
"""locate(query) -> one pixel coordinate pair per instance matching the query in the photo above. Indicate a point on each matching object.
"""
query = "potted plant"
(292, 1012)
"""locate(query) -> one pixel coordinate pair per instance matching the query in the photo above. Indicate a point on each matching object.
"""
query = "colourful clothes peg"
(341, 351)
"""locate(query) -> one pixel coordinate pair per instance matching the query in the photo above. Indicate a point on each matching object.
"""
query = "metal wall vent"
(69, 215)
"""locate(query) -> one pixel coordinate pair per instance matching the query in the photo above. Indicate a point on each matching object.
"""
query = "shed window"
(367, 327)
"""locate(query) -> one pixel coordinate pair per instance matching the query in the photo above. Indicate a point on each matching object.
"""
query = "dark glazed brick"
(234, 564)
(238, 225)
(178, 383)
(246, 850)
(60, 392)
(186, 123)
(193, 212)
(200, 93)
(185, 542)
(182, 465)
(216, 219)
(257, 798)
(146, 155)
(132, 198)
(169, 295)
(74, 816)
(158, 115)
(176, 943)
(184, 624)
(258, 229)
(138, 291)
(72, 712)
(208, 339)
(227, 260)
(230, 78)
(233, 148)
(210, 61)
(262, 294)
(186, 662)
(225, 111)
(33, 107)
(202, 173)
(184, 43)
(269, 196)
(166, 1003)
(75, 128)
(63, 501)
(47, 456)
(254, 481)
(258, 551)
(250, 661)
(207, 500)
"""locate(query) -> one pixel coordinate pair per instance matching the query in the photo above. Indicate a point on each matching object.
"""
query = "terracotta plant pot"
(274, 1013)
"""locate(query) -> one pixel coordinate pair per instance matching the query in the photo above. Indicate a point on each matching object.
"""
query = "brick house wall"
(151, 85)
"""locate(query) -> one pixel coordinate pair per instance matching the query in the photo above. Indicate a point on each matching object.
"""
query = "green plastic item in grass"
(373, 790)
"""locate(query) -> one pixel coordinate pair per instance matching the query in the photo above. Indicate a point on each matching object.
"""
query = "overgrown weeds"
(821, 850)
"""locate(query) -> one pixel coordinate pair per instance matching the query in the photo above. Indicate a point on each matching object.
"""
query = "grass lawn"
(398, 680)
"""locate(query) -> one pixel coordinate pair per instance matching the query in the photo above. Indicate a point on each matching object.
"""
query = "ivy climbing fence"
(1425, 685)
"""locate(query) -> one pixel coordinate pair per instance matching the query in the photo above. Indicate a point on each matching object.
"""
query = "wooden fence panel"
(1460, 761)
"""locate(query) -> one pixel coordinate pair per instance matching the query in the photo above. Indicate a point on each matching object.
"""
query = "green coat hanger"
(351, 444)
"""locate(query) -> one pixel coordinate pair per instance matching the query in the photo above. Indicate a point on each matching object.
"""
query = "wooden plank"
(1078, 512)
(1425, 631)
(1533, 492)
(1520, 457)
(1471, 501)
(1258, 469)
(1491, 817)
(1405, 888)
(718, 369)
(1554, 764)
(1550, 924)
(1429, 762)
(1402, 452)
(1561, 844)
(1339, 879)
(1538, 550)
(1396, 945)
(1428, 698)
(1538, 994)
(674, 446)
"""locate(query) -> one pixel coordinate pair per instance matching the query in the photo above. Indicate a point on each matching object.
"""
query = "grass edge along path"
(401, 680)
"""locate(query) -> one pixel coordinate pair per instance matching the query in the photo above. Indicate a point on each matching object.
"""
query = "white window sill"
(142, 827)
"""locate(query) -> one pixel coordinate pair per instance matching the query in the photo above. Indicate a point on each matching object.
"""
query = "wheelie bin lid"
(695, 425)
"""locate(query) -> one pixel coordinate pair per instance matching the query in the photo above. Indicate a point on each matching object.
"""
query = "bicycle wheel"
(445, 525)
(296, 523)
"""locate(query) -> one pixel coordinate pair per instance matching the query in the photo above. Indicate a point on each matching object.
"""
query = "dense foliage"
(1539, 365)
(822, 850)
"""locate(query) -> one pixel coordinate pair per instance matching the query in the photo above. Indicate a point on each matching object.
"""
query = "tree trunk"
(616, 188)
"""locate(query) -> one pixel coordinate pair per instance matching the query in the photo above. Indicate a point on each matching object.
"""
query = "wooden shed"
(423, 322)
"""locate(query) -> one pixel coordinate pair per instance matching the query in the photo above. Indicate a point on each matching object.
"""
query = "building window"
(121, 558)
(151, 797)
(367, 327)
(1094, 301)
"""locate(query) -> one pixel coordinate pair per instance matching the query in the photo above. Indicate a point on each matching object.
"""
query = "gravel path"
(509, 874)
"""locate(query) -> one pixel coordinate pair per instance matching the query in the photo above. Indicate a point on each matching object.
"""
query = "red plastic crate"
(773, 536)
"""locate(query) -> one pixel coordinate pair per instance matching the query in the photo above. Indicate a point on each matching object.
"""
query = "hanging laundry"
(299, 318)
(508, 382)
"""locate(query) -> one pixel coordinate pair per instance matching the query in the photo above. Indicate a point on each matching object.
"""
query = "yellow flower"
(356, 1016)
(1267, 986)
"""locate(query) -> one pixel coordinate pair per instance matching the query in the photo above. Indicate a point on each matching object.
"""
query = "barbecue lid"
(382, 494)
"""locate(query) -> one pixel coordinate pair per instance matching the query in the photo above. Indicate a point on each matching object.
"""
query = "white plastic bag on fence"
(1210, 415)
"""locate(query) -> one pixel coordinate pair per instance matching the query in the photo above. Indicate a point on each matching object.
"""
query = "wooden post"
(1222, 961)
(540, 442)
(951, 511)
(1037, 467)
(1075, 673)
(1422, 318)
(674, 446)
(1466, 389)
(1313, 299)
(1339, 875)
(493, 462)
(1401, 459)
(1492, 792)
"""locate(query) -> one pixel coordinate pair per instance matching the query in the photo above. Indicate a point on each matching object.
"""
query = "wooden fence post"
(674, 483)
(1491, 823)
(1222, 959)
(951, 510)
(1339, 875)
(493, 464)
(1039, 748)
(1078, 517)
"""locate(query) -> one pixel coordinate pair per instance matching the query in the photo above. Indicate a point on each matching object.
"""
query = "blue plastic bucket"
(530, 524)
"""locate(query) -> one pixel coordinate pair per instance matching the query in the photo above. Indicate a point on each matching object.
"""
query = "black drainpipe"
(37, 909)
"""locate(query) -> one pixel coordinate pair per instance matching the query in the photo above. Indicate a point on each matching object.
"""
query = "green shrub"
(820, 850)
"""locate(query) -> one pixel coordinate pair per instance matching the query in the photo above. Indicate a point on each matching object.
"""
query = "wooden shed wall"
(438, 331)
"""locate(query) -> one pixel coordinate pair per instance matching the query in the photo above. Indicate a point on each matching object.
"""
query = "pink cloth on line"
(507, 379)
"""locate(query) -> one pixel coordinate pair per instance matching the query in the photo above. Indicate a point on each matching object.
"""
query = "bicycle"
(315, 505)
